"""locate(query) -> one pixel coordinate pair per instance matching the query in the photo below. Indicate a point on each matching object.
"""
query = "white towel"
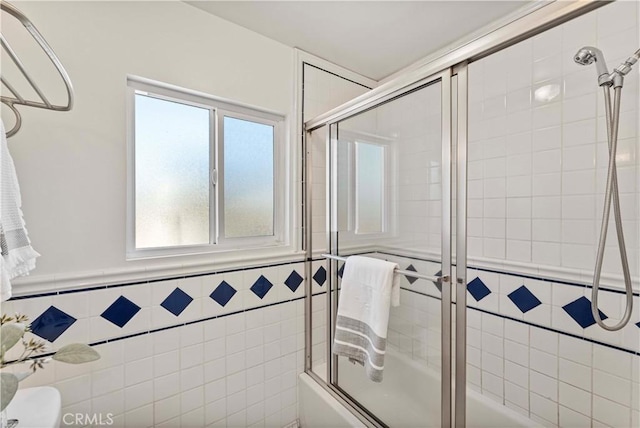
(369, 288)
(18, 258)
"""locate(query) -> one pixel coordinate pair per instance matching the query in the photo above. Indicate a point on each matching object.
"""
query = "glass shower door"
(390, 198)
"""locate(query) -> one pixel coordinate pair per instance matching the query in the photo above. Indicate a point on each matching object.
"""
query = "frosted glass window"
(171, 173)
(369, 188)
(248, 178)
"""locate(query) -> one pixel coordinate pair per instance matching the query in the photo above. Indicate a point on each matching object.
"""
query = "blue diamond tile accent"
(478, 289)
(411, 279)
(438, 283)
(638, 324)
(261, 287)
(52, 323)
(293, 281)
(121, 311)
(177, 301)
(524, 299)
(320, 276)
(341, 270)
(223, 293)
(580, 311)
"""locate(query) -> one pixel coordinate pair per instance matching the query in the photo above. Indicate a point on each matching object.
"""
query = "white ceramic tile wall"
(538, 151)
(322, 91)
(540, 363)
(537, 157)
(235, 365)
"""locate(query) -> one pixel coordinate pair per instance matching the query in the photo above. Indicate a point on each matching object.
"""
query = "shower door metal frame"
(457, 59)
(444, 78)
(460, 401)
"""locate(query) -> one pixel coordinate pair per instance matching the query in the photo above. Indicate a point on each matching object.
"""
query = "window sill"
(149, 269)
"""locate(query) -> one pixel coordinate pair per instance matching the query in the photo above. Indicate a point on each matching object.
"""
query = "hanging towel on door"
(368, 290)
(18, 257)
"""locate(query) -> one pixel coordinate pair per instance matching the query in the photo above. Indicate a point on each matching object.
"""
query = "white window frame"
(218, 109)
(384, 210)
(352, 234)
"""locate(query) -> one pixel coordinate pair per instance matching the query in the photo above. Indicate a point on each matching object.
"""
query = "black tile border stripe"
(184, 324)
(520, 275)
(53, 293)
(170, 327)
(149, 281)
(575, 336)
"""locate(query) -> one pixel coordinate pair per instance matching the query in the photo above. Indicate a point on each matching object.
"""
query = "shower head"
(587, 56)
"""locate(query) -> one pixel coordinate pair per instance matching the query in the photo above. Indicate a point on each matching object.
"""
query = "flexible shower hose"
(611, 192)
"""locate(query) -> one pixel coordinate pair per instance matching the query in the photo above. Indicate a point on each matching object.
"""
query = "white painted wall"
(72, 166)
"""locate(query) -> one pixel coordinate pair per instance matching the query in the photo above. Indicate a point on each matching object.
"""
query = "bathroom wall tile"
(612, 387)
(519, 186)
(74, 390)
(193, 418)
(579, 108)
(492, 384)
(516, 374)
(138, 371)
(517, 353)
(516, 332)
(579, 133)
(570, 418)
(492, 364)
(109, 403)
(610, 413)
(574, 374)
(107, 380)
(544, 340)
(543, 362)
(544, 408)
(547, 184)
(139, 417)
(546, 230)
(578, 231)
(543, 385)
(517, 395)
(547, 116)
(138, 395)
(166, 409)
(191, 378)
(546, 43)
(575, 399)
(521, 56)
(548, 138)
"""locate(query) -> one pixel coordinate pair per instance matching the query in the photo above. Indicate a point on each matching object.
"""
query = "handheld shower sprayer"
(586, 56)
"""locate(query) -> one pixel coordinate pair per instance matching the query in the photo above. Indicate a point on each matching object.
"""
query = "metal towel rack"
(17, 99)
(398, 271)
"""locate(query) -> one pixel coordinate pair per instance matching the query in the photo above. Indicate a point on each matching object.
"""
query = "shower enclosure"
(485, 173)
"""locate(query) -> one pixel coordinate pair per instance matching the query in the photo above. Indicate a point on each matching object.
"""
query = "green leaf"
(10, 334)
(8, 388)
(76, 353)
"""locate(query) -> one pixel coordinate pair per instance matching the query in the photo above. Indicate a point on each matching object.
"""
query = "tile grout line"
(575, 336)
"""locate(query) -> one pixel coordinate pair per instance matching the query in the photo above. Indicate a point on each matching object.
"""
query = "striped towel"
(17, 256)
(369, 289)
